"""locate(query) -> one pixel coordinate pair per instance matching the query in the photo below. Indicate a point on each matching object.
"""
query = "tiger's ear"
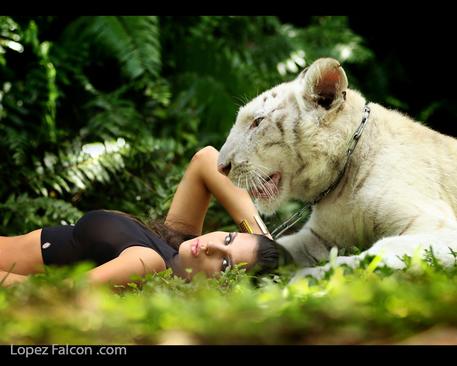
(325, 83)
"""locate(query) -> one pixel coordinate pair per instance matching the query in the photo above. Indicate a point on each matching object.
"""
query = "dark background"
(416, 55)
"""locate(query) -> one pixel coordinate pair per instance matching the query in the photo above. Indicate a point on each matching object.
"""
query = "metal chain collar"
(291, 221)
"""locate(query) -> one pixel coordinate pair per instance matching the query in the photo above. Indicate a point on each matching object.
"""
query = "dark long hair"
(171, 236)
(270, 255)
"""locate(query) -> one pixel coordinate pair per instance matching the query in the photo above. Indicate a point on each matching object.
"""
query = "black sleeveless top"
(99, 236)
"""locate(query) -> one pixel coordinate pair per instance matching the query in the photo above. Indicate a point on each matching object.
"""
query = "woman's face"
(214, 252)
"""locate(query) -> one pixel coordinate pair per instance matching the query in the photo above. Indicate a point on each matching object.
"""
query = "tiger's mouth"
(268, 188)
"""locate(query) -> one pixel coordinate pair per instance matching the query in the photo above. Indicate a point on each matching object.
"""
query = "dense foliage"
(367, 306)
(105, 112)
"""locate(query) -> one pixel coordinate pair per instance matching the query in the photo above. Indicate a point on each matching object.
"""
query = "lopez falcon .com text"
(64, 350)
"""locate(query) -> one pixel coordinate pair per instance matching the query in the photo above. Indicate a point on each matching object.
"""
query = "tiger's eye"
(257, 122)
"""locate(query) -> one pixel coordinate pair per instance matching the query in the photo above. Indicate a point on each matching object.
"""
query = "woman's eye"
(225, 264)
(257, 122)
(228, 239)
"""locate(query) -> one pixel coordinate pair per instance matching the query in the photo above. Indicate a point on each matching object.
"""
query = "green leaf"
(132, 40)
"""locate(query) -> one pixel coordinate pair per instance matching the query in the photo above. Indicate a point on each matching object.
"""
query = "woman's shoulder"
(152, 260)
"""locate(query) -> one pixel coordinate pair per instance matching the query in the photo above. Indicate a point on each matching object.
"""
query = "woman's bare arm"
(8, 278)
(201, 179)
(135, 260)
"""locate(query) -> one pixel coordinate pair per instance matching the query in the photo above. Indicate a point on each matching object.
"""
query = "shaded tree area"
(415, 57)
(106, 111)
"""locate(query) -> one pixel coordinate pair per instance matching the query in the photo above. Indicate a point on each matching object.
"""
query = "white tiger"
(398, 194)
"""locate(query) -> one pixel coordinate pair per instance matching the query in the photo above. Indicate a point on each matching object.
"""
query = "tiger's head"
(287, 142)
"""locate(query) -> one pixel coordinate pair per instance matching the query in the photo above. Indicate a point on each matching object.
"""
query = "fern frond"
(21, 213)
(78, 167)
(15, 143)
(133, 41)
(113, 117)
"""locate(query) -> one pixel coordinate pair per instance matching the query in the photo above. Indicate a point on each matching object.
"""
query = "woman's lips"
(195, 248)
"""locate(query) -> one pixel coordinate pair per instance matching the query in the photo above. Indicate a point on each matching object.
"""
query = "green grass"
(365, 305)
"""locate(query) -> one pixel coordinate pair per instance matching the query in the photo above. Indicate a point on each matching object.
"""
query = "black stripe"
(376, 222)
(325, 242)
(408, 225)
(273, 143)
(300, 169)
(300, 157)
(298, 132)
(280, 126)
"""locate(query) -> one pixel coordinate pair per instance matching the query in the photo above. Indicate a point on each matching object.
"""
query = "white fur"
(399, 195)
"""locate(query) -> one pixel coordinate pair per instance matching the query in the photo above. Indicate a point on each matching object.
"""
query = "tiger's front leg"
(392, 250)
(306, 247)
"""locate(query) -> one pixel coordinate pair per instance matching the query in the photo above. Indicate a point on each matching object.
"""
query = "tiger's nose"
(224, 168)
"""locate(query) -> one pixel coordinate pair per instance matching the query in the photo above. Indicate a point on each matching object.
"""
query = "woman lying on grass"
(123, 246)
